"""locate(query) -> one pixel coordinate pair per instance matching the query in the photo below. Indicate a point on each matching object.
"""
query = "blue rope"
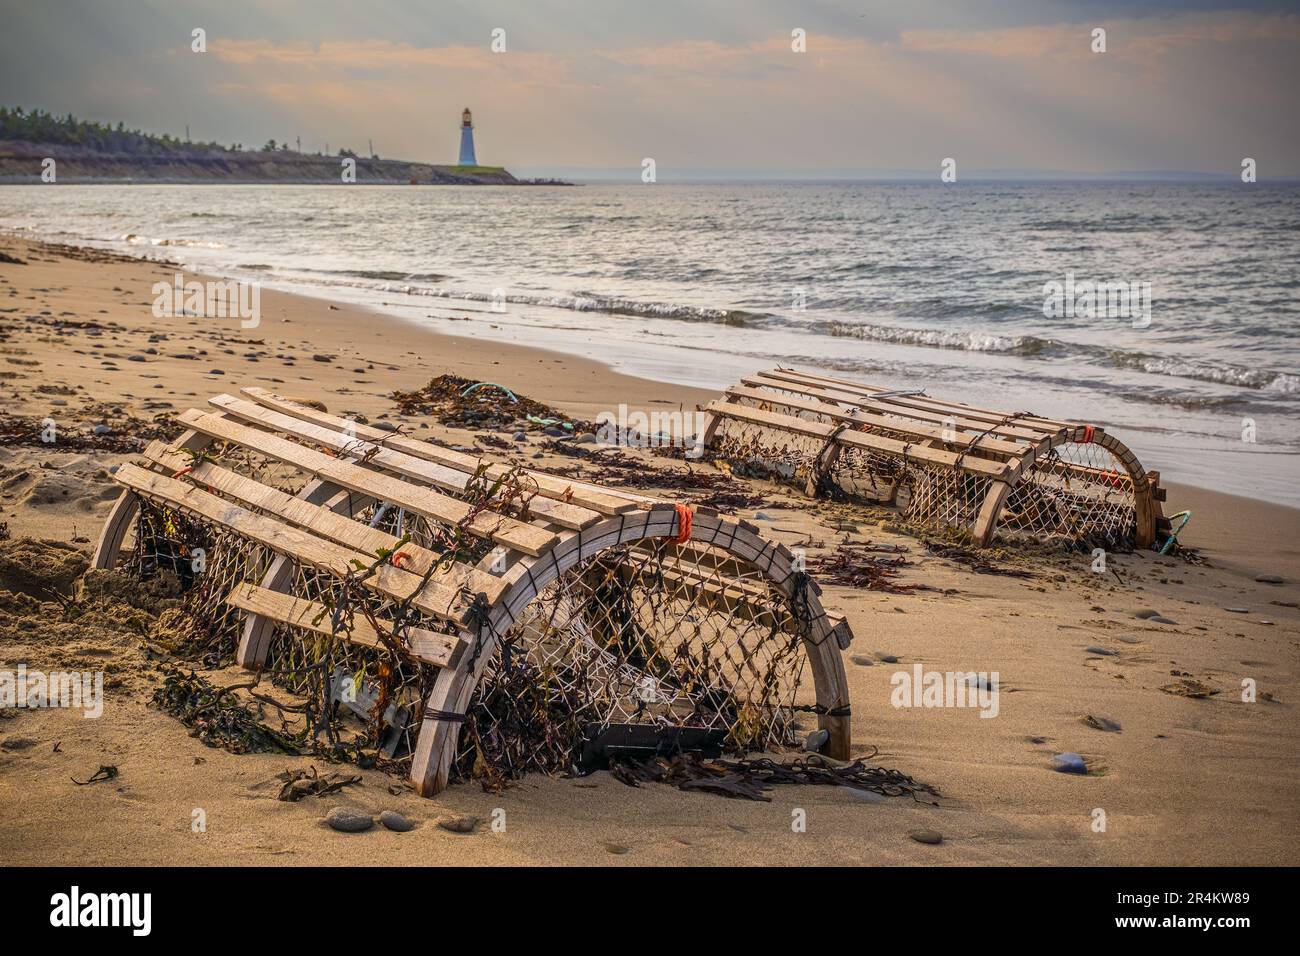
(1173, 535)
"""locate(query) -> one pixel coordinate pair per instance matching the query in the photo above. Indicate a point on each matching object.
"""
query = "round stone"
(347, 820)
(392, 820)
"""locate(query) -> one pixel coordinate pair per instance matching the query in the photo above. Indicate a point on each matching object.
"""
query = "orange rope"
(1087, 434)
(684, 514)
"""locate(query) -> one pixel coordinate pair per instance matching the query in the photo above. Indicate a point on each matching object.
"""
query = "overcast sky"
(695, 84)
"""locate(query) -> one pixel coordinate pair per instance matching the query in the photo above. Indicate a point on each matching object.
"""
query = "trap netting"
(650, 633)
(1078, 491)
(978, 471)
(924, 492)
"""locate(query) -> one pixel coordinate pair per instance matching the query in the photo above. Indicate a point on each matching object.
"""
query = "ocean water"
(915, 285)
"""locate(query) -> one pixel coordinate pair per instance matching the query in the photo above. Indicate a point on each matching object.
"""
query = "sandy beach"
(1183, 781)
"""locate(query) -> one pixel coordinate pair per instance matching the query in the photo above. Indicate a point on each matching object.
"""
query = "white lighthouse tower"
(467, 157)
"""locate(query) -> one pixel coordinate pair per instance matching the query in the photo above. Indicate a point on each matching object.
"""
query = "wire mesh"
(649, 633)
(1077, 491)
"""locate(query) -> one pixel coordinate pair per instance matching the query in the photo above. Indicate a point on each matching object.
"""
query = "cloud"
(1179, 91)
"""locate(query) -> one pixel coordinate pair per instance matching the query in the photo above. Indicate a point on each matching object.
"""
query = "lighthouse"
(467, 139)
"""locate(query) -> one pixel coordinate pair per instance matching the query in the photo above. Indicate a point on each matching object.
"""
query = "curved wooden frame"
(996, 445)
(578, 520)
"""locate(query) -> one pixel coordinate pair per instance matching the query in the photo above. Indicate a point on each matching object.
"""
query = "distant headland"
(36, 147)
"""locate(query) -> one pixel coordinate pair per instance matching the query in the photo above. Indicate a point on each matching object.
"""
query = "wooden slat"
(423, 501)
(376, 455)
(902, 405)
(914, 452)
(925, 432)
(606, 501)
(434, 597)
(319, 519)
(1032, 435)
(1042, 426)
(440, 650)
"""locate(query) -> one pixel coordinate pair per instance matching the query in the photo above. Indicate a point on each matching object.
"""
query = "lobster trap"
(941, 463)
(475, 619)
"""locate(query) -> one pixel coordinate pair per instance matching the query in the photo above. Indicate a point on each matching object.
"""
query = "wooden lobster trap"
(940, 462)
(481, 619)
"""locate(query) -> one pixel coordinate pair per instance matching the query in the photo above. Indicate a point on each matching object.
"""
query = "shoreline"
(1190, 471)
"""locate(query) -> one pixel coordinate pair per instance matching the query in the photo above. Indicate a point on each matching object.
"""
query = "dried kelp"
(463, 403)
(864, 565)
(309, 783)
(216, 717)
(977, 561)
(748, 779)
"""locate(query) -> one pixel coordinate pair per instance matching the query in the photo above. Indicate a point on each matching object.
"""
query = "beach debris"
(105, 772)
(977, 561)
(308, 783)
(929, 837)
(1269, 579)
(750, 779)
(462, 403)
(392, 820)
(865, 565)
(1189, 687)
(1069, 762)
(216, 717)
(1104, 724)
(348, 820)
(816, 741)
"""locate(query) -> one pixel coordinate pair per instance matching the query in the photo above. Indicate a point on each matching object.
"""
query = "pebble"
(392, 820)
(586, 438)
(1268, 579)
(1146, 614)
(135, 358)
(616, 848)
(322, 358)
(862, 660)
(386, 426)
(520, 436)
(1129, 639)
(1069, 763)
(103, 430)
(930, 837)
(1237, 610)
(347, 820)
(1104, 652)
(552, 431)
(762, 516)
(457, 824)
(886, 658)
(816, 741)
(1158, 619)
(980, 682)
